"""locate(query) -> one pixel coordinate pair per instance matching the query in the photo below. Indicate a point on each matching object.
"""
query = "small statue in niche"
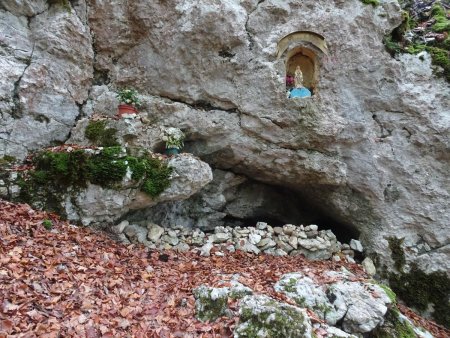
(299, 91)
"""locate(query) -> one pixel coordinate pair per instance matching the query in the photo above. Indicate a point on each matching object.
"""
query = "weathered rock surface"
(189, 176)
(47, 71)
(262, 316)
(351, 308)
(360, 306)
(94, 204)
(212, 303)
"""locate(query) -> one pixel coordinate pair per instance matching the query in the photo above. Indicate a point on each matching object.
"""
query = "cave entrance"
(232, 200)
(302, 52)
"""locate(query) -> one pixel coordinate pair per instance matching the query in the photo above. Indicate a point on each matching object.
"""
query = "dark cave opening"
(235, 200)
(343, 232)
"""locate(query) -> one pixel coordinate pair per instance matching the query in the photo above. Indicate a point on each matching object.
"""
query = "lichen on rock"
(212, 303)
(358, 306)
(262, 316)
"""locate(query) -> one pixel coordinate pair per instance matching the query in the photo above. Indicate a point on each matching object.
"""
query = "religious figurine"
(298, 78)
(299, 91)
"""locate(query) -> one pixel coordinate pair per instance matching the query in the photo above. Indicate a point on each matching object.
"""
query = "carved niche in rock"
(302, 52)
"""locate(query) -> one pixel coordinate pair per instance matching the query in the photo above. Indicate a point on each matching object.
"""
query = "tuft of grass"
(48, 224)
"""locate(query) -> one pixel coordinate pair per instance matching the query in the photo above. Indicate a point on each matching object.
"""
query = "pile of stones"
(289, 239)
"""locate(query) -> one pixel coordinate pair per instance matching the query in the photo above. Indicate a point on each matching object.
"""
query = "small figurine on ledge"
(299, 91)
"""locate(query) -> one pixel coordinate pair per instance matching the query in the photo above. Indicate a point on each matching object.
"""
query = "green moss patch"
(156, 177)
(374, 3)
(418, 289)
(100, 135)
(397, 253)
(394, 326)
(208, 305)
(439, 14)
(55, 172)
(261, 316)
(439, 49)
(391, 294)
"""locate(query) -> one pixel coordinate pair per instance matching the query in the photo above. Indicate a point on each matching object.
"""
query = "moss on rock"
(56, 172)
(261, 316)
(210, 303)
(374, 3)
(394, 326)
(100, 135)
(418, 289)
(439, 49)
(397, 253)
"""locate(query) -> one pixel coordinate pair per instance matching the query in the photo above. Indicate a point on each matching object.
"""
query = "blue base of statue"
(299, 93)
(172, 151)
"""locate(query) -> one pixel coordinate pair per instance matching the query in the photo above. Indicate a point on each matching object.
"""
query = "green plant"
(100, 135)
(439, 14)
(61, 168)
(7, 160)
(129, 96)
(48, 224)
(374, 3)
(173, 137)
(64, 3)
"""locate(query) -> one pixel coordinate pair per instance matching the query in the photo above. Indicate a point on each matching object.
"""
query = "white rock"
(356, 245)
(254, 238)
(261, 225)
(369, 267)
(288, 229)
(118, 229)
(154, 232)
(220, 237)
(313, 227)
(278, 230)
(293, 241)
(205, 249)
(182, 247)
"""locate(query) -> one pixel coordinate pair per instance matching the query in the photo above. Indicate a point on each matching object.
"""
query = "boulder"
(360, 306)
(262, 316)
(212, 303)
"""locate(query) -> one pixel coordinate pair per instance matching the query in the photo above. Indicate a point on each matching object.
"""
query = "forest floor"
(59, 280)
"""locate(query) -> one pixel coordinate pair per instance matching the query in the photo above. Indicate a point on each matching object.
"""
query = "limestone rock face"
(369, 149)
(46, 73)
